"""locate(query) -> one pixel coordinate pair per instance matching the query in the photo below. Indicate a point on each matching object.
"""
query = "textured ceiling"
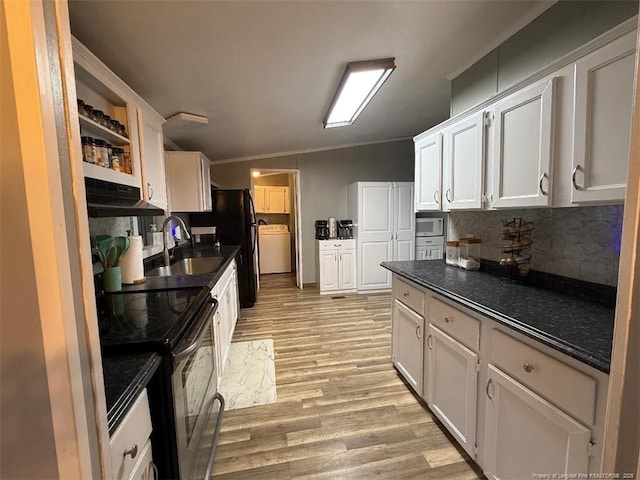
(264, 72)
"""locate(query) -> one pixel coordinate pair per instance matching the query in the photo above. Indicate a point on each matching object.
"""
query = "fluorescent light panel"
(359, 83)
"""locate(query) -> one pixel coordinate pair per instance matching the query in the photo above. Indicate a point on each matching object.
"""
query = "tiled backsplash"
(582, 243)
(114, 226)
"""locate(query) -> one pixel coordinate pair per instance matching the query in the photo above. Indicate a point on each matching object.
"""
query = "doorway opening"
(276, 194)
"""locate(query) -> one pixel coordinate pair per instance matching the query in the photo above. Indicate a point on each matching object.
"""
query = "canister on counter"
(470, 249)
(453, 253)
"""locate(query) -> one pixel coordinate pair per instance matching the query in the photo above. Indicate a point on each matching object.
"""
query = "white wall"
(324, 180)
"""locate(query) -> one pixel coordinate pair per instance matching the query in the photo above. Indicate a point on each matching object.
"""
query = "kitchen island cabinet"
(511, 369)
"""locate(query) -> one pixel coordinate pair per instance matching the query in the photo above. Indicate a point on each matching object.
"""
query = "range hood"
(107, 199)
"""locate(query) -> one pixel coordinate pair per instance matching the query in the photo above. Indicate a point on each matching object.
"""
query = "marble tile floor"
(250, 375)
(342, 410)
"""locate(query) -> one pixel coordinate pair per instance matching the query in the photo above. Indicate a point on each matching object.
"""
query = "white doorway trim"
(297, 211)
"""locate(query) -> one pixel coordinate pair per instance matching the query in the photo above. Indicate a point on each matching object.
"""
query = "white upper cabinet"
(188, 181)
(463, 163)
(142, 142)
(602, 122)
(152, 151)
(271, 199)
(522, 130)
(559, 138)
(428, 174)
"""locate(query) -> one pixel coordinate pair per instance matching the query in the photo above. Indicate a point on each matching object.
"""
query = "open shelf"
(110, 175)
(88, 126)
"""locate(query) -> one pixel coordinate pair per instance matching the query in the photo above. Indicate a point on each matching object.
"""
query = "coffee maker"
(345, 229)
(322, 230)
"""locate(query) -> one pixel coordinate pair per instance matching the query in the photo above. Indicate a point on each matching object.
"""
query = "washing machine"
(275, 248)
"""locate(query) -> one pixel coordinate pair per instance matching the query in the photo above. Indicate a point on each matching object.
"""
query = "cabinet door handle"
(435, 197)
(133, 451)
(418, 331)
(150, 190)
(405, 294)
(542, 191)
(489, 383)
(446, 195)
(527, 368)
(573, 177)
(430, 342)
(448, 319)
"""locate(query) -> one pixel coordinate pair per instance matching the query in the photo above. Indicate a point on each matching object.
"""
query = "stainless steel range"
(186, 409)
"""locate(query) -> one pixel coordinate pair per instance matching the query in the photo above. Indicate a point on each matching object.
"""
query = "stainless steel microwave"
(429, 227)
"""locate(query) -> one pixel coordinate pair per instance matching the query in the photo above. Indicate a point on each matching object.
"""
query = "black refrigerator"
(234, 216)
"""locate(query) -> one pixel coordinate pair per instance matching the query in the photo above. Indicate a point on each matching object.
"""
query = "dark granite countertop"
(580, 328)
(188, 281)
(125, 376)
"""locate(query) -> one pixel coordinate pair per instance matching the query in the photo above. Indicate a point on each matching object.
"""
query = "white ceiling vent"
(185, 120)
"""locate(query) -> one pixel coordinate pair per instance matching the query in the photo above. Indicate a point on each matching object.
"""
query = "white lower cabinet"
(516, 406)
(130, 446)
(224, 321)
(407, 344)
(336, 267)
(525, 434)
(451, 385)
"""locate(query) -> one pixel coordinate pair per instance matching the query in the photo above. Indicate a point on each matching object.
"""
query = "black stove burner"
(148, 320)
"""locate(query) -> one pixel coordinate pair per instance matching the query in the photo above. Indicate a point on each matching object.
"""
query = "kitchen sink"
(188, 266)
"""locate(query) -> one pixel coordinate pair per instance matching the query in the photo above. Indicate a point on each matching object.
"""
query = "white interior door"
(375, 234)
(295, 180)
(404, 218)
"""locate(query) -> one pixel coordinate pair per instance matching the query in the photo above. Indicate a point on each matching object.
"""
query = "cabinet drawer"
(409, 295)
(145, 459)
(131, 436)
(336, 244)
(570, 389)
(456, 323)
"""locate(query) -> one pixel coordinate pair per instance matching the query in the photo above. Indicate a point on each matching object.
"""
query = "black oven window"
(197, 374)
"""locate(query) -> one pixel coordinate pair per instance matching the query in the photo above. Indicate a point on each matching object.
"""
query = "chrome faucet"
(165, 249)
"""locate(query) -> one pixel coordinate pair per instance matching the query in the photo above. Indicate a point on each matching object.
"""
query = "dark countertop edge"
(553, 342)
(122, 406)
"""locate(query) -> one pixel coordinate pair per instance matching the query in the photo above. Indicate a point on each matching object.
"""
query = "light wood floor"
(342, 411)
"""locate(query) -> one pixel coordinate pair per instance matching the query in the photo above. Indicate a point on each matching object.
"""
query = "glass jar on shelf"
(88, 111)
(89, 150)
(452, 253)
(106, 121)
(470, 249)
(81, 108)
(98, 116)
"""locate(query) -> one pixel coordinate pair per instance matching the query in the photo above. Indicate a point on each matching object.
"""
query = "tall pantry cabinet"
(384, 229)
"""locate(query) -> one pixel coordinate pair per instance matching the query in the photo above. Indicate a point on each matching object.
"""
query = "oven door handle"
(208, 311)
(216, 434)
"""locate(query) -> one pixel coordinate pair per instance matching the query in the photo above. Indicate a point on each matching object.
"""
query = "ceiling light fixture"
(359, 83)
(255, 173)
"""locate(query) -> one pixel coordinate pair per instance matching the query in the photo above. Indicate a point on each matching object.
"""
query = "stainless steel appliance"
(345, 229)
(429, 227)
(322, 230)
(234, 216)
(186, 410)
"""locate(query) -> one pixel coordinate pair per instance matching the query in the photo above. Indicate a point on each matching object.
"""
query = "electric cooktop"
(145, 321)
